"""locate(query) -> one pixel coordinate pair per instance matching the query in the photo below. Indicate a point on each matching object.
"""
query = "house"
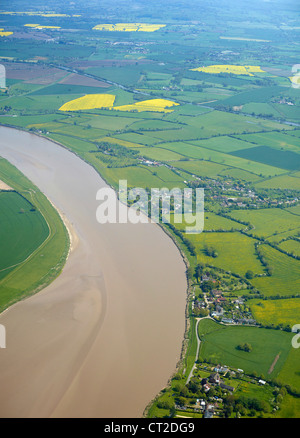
(200, 404)
(227, 387)
(220, 300)
(261, 382)
(209, 412)
(206, 387)
(221, 369)
(216, 293)
(246, 321)
(218, 312)
(215, 378)
(228, 320)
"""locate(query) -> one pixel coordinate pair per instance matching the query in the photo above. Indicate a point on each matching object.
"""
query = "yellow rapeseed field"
(39, 26)
(295, 80)
(5, 33)
(160, 105)
(90, 101)
(129, 27)
(235, 69)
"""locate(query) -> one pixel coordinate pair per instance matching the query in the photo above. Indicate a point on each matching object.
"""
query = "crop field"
(108, 122)
(279, 140)
(137, 177)
(160, 105)
(201, 167)
(259, 109)
(138, 138)
(289, 373)
(240, 174)
(234, 69)
(235, 251)
(129, 27)
(75, 131)
(23, 230)
(291, 246)
(268, 222)
(264, 154)
(160, 154)
(283, 311)
(125, 143)
(262, 95)
(4, 33)
(214, 222)
(89, 101)
(220, 346)
(197, 152)
(62, 88)
(285, 279)
(223, 143)
(284, 182)
(39, 26)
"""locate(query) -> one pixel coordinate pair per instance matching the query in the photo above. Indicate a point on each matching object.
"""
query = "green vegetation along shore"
(35, 242)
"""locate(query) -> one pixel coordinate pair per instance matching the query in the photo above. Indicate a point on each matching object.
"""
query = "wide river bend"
(105, 336)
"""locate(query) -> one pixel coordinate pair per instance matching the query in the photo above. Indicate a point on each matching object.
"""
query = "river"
(103, 339)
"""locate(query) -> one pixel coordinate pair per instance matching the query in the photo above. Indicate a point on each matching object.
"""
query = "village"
(211, 301)
(211, 393)
(231, 193)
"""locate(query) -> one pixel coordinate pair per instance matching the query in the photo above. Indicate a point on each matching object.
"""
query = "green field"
(236, 251)
(280, 182)
(264, 154)
(23, 230)
(285, 279)
(283, 311)
(291, 246)
(290, 373)
(36, 242)
(278, 140)
(268, 222)
(220, 346)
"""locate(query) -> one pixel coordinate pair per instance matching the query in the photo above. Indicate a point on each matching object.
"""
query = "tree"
(245, 347)
(172, 412)
(199, 270)
(249, 274)
(207, 286)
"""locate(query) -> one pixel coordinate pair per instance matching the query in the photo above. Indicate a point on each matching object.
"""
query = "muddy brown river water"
(105, 336)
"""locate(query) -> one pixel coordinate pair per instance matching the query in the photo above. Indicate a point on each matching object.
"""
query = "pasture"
(285, 279)
(236, 251)
(219, 345)
(23, 230)
(269, 221)
(283, 311)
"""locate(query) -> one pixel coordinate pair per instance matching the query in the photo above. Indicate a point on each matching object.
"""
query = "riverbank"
(39, 267)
